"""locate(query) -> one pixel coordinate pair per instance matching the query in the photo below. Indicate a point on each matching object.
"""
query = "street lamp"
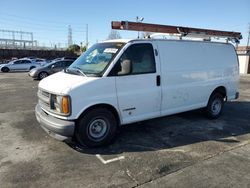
(139, 20)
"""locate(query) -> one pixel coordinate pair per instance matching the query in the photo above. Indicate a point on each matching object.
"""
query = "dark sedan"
(50, 68)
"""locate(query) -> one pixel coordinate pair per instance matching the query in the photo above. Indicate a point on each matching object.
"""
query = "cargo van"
(119, 82)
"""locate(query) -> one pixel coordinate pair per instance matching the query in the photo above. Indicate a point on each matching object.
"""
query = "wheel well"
(106, 106)
(221, 90)
(7, 68)
(43, 72)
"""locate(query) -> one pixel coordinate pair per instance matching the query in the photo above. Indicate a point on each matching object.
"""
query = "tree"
(83, 49)
(114, 35)
(74, 48)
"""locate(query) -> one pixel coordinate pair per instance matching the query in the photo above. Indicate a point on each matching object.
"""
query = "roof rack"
(180, 30)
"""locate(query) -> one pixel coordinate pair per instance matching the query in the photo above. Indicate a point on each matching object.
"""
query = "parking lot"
(184, 150)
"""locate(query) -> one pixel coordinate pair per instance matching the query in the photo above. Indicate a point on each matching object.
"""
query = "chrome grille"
(43, 99)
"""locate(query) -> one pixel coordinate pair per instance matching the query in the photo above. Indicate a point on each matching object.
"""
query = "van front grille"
(44, 99)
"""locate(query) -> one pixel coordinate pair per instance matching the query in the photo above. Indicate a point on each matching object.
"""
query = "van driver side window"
(137, 59)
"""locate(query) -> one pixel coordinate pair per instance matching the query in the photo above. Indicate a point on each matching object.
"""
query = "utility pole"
(139, 20)
(87, 37)
(32, 40)
(248, 35)
(13, 38)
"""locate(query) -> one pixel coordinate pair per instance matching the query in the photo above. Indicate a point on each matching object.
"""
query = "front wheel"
(5, 69)
(96, 128)
(214, 106)
(42, 75)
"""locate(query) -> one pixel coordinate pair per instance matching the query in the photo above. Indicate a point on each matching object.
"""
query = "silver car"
(20, 65)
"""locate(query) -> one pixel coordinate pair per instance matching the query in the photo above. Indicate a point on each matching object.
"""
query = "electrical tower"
(16, 39)
(70, 40)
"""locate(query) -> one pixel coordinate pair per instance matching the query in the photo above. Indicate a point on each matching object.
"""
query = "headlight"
(60, 104)
(32, 71)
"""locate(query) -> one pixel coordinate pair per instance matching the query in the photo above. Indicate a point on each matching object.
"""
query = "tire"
(96, 128)
(5, 69)
(215, 106)
(42, 75)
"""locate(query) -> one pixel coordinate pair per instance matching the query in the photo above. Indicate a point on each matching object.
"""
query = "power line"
(35, 23)
(46, 21)
(44, 25)
(47, 40)
(38, 27)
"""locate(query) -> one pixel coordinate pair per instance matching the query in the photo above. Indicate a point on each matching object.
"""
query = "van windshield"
(95, 60)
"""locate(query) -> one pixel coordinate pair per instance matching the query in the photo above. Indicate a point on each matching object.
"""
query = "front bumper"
(33, 74)
(57, 128)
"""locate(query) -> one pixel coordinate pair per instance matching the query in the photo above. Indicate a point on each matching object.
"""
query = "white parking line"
(110, 160)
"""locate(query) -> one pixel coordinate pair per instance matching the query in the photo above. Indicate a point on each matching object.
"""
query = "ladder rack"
(182, 31)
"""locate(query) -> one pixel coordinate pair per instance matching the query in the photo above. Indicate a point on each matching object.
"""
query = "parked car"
(50, 68)
(20, 65)
(30, 57)
(65, 58)
(40, 61)
(124, 81)
(69, 58)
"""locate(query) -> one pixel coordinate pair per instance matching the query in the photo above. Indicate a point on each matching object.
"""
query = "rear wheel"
(96, 128)
(5, 69)
(215, 106)
(42, 75)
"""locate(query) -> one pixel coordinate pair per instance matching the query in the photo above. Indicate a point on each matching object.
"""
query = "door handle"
(158, 80)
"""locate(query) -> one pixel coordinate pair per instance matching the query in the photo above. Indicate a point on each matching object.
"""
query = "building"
(244, 59)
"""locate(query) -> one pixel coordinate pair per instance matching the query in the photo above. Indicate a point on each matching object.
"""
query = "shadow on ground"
(178, 130)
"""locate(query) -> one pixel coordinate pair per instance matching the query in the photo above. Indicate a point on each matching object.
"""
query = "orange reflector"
(65, 105)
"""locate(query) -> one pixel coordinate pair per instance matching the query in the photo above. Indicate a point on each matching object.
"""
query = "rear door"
(139, 92)
(25, 65)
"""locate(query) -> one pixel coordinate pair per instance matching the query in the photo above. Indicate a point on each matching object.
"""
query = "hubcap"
(98, 128)
(216, 106)
(43, 75)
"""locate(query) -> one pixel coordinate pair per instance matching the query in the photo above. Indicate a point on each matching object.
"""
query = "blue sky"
(49, 19)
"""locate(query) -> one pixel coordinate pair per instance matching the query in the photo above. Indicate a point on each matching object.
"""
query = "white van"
(124, 81)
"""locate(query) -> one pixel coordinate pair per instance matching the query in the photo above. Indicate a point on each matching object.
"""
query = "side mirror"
(126, 67)
(53, 66)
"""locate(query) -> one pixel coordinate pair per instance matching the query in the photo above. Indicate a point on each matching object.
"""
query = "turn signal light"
(65, 105)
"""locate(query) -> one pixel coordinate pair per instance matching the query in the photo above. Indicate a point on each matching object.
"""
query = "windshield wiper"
(76, 69)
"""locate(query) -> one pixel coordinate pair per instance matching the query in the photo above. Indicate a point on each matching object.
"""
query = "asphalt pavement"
(183, 150)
